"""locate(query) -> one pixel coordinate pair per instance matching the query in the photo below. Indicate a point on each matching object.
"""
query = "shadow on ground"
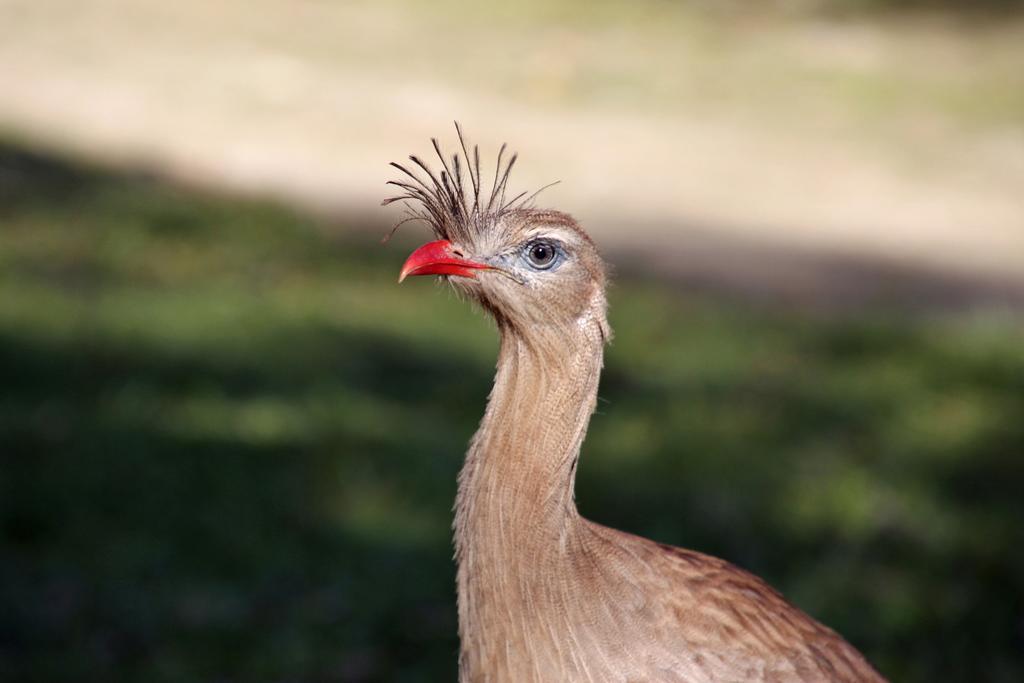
(230, 443)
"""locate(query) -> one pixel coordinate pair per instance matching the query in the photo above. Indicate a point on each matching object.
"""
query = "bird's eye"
(541, 254)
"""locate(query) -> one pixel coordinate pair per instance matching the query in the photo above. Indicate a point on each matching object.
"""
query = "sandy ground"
(778, 150)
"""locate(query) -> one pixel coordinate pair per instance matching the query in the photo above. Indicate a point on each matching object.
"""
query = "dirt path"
(900, 144)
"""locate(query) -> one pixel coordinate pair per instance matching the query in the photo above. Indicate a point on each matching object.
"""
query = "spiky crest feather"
(453, 211)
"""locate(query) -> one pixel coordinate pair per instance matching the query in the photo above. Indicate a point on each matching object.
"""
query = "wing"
(706, 619)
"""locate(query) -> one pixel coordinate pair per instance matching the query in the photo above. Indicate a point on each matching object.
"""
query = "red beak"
(436, 258)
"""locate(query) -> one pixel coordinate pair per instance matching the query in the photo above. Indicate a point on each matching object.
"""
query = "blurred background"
(229, 439)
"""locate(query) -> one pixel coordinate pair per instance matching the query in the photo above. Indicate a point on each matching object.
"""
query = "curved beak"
(436, 258)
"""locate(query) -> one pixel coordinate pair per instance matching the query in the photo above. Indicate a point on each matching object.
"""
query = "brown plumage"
(545, 595)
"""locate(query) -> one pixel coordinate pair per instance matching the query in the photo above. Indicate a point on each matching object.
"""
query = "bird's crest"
(456, 212)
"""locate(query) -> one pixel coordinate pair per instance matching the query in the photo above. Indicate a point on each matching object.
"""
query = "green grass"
(229, 444)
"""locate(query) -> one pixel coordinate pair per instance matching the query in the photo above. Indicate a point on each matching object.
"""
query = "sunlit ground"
(814, 125)
(230, 442)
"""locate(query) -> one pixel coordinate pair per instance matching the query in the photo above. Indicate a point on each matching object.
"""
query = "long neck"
(515, 509)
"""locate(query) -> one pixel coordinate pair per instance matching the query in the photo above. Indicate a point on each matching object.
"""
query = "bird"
(544, 594)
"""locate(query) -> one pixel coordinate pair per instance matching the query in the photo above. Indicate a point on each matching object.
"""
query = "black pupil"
(541, 254)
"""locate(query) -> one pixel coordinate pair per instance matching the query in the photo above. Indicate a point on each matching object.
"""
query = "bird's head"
(532, 269)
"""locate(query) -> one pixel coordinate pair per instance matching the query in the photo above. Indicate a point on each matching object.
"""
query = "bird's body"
(544, 594)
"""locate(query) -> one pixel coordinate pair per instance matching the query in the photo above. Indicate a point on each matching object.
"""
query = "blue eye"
(541, 255)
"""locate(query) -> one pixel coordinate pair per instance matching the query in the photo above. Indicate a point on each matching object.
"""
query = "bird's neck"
(515, 510)
(520, 470)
